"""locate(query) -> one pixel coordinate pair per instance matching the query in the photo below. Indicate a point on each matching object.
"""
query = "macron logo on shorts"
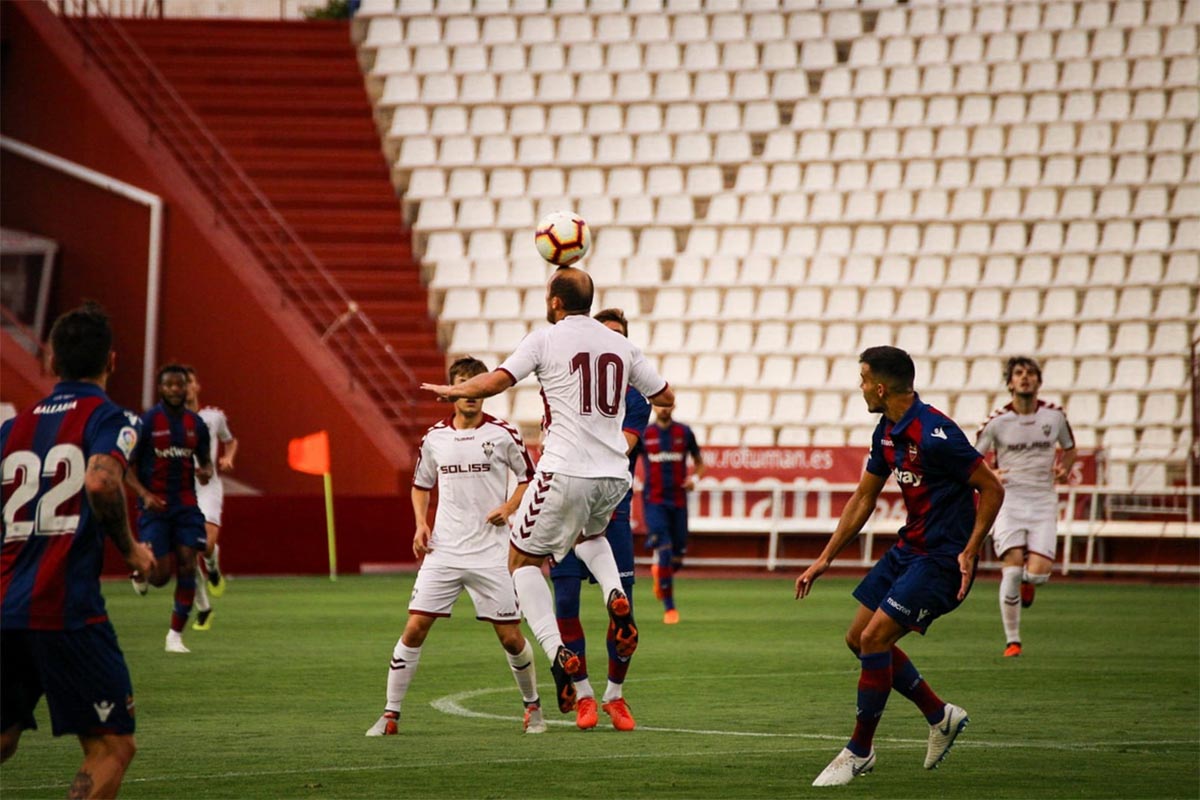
(103, 709)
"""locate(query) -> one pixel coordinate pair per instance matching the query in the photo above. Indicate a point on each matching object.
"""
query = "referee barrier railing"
(784, 512)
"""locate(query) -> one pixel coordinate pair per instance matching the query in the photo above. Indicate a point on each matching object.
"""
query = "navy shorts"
(666, 526)
(911, 588)
(81, 672)
(620, 539)
(173, 527)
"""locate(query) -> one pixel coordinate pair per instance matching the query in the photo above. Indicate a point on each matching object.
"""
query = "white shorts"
(557, 510)
(1035, 529)
(211, 499)
(491, 590)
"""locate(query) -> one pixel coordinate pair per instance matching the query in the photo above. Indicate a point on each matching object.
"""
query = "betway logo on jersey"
(173, 452)
(906, 477)
(457, 469)
(656, 458)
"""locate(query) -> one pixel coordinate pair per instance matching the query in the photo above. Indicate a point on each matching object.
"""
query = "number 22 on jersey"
(65, 463)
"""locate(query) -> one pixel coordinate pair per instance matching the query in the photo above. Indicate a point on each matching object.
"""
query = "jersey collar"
(916, 408)
(78, 387)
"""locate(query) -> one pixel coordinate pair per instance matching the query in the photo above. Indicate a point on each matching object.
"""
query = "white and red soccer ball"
(563, 238)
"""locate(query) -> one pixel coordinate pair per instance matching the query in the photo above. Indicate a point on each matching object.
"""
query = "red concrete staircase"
(287, 104)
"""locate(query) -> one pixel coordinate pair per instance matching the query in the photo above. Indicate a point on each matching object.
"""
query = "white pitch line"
(441, 763)
(453, 704)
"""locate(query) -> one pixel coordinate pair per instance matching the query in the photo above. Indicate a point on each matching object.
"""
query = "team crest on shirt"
(488, 448)
(127, 440)
(1045, 430)
(912, 452)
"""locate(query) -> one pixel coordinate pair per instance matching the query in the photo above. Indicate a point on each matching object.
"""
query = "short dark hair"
(1028, 362)
(613, 315)
(892, 364)
(468, 367)
(167, 369)
(81, 340)
(574, 287)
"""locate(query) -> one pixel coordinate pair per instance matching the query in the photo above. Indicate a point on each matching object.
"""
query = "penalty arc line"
(453, 704)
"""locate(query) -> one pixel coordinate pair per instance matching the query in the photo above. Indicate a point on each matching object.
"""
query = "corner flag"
(310, 454)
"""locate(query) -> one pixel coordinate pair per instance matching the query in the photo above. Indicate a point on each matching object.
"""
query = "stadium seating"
(774, 185)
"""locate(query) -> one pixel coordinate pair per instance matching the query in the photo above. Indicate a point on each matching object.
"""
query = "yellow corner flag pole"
(329, 527)
(310, 455)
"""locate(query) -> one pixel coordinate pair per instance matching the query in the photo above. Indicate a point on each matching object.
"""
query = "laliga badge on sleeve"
(127, 440)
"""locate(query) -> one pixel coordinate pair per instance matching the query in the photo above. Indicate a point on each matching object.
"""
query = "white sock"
(524, 672)
(613, 691)
(211, 561)
(538, 607)
(583, 688)
(404, 665)
(596, 553)
(201, 602)
(1010, 602)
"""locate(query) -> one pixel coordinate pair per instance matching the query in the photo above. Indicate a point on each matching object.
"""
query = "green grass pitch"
(750, 696)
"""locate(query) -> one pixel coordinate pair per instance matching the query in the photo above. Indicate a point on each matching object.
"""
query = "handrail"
(12, 322)
(761, 508)
(242, 206)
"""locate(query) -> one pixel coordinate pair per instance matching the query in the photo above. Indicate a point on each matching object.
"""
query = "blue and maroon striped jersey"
(53, 547)
(932, 461)
(164, 456)
(637, 414)
(664, 462)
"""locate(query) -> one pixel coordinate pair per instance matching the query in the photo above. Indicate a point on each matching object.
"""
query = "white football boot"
(175, 643)
(845, 767)
(943, 734)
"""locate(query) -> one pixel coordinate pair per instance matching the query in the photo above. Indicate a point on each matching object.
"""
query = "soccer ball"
(563, 238)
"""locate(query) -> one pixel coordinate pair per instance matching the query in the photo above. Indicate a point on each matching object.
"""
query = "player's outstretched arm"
(991, 497)
(485, 385)
(854, 516)
(106, 495)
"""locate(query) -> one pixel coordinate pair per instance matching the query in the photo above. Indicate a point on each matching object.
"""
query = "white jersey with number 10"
(584, 369)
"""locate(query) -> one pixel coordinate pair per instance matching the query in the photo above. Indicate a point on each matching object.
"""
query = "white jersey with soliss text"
(1025, 447)
(584, 368)
(470, 469)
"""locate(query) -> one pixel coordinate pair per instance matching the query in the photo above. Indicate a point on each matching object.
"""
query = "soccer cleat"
(585, 713)
(845, 767)
(389, 724)
(140, 584)
(175, 643)
(1027, 590)
(564, 667)
(216, 583)
(943, 734)
(534, 722)
(203, 620)
(1013, 649)
(671, 617)
(618, 710)
(625, 632)
(654, 574)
